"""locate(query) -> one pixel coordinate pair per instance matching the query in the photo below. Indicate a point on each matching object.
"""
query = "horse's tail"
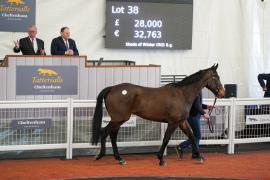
(97, 119)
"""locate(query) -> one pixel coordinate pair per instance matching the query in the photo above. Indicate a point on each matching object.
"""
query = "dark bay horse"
(170, 104)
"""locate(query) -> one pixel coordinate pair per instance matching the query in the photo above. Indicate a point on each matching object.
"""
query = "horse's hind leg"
(113, 135)
(104, 132)
(187, 130)
(170, 129)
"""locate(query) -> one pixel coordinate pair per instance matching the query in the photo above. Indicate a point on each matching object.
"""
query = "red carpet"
(253, 165)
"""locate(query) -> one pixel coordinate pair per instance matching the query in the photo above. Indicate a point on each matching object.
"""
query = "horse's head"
(213, 82)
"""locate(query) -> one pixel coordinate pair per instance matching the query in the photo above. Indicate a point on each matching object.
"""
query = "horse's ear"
(215, 66)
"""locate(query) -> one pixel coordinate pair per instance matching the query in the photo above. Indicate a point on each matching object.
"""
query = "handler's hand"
(206, 116)
(209, 107)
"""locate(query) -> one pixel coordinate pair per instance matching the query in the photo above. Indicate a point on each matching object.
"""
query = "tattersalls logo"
(47, 76)
(49, 72)
(15, 9)
(15, 1)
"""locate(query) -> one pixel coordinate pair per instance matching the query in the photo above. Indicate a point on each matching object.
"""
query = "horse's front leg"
(170, 129)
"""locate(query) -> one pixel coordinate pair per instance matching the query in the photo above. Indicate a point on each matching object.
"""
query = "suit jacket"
(261, 79)
(27, 48)
(58, 46)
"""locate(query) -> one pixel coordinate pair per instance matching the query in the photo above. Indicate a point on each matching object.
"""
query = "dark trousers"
(195, 124)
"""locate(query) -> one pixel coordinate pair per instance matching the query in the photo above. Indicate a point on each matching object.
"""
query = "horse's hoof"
(122, 162)
(162, 163)
(200, 160)
(98, 157)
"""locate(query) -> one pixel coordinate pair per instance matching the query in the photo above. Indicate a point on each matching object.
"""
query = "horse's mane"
(189, 79)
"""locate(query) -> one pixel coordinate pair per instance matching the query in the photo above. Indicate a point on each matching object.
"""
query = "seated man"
(63, 45)
(30, 45)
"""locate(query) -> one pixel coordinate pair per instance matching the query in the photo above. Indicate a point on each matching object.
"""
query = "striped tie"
(66, 44)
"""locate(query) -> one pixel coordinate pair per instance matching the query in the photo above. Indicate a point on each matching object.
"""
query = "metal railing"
(72, 121)
(165, 79)
(102, 62)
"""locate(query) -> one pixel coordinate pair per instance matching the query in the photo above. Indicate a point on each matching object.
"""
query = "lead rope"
(210, 125)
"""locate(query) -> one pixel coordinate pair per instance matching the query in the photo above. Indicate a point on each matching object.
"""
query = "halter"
(213, 78)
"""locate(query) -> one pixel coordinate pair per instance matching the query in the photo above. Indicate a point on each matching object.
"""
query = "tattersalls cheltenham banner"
(17, 15)
(46, 80)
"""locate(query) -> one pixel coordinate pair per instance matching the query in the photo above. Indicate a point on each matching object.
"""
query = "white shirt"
(34, 44)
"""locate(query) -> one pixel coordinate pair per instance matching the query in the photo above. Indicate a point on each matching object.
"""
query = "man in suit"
(63, 45)
(30, 45)
(265, 87)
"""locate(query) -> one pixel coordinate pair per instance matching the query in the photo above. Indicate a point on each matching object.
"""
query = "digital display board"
(149, 24)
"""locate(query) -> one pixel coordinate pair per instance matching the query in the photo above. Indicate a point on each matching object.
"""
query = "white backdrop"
(233, 33)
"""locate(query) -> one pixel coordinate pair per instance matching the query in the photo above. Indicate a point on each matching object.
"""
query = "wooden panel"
(20, 61)
(30, 61)
(101, 79)
(126, 75)
(3, 80)
(65, 60)
(56, 61)
(11, 77)
(82, 77)
(83, 80)
(117, 75)
(92, 85)
(158, 72)
(143, 76)
(48, 60)
(76, 60)
(109, 74)
(135, 76)
(151, 77)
